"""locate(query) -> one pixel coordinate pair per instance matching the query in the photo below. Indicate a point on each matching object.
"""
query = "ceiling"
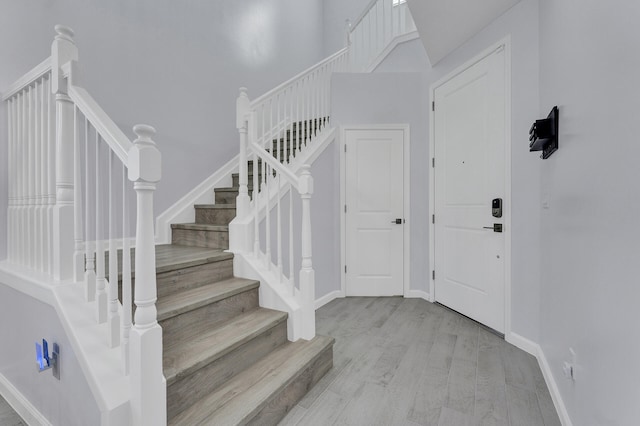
(445, 25)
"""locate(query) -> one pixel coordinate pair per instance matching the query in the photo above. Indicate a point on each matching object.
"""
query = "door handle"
(497, 227)
(397, 221)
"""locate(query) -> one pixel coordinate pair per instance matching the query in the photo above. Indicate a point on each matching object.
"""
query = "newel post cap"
(64, 33)
(305, 184)
(144, 162)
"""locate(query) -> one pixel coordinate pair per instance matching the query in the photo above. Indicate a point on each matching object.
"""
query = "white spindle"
(89, 253)
(292, 280)
(11, 155)
(101, 294)
(36, 253)
(266, 189)
(242, 111)
(256, 206)
(126, 276)
(78, 255)
(148, 386)
(51, 172)
(307, 280)
(42, 166)
(31, 237)
(113, 314)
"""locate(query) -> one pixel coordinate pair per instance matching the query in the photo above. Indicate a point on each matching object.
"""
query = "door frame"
(504, 43)
(406, 186)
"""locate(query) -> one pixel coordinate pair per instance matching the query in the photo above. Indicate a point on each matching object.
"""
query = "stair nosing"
(189, 306)
(220, 351)
(200, 227)
(219, 206)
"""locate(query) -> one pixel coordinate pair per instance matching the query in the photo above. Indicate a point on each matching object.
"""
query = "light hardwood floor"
(8, 417)
(409, 362)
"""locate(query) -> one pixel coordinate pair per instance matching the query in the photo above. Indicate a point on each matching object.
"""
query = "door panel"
(470, 137)
(374, 197)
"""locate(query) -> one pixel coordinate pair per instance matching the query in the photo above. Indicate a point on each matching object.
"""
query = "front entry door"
(470, 137)
(374, 217)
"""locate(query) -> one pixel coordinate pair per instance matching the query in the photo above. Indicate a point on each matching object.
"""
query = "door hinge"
(345, 269)
(433, 274)
(433, 105)
(345, 147)
(433, 162)
(345, 208)
(433, 218)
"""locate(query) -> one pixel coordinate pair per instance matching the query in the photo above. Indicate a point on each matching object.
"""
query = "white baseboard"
(536, 350)
(553, 388)
(20, 404)
(417, 294)
(320, 302)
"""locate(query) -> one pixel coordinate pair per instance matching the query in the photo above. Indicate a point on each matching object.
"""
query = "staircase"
(227, 361)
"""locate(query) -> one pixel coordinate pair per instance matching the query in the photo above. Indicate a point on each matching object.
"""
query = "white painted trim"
(21, 404)
(506, 42)
(406, 185)
(553, 389)
(417, 294)
(392, 45)
(536, 350)
(329, 297)
(182, 211)
(28, 78)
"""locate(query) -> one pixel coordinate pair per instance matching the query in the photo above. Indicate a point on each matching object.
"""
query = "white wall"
(26, 321)
(174, 65)
(335, 13)
(589, 67)
(393, 95)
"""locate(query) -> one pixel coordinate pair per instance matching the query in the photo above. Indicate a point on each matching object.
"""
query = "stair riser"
(210, 315)
(280, 405)
(201, 238)
(215, 216)
(187, 278)
(226, 197)
(185, 391)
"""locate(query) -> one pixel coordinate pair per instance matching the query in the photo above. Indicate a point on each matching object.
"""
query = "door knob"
(397, 221)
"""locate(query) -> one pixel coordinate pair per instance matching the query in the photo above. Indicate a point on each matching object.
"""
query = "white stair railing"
(69, 205)
(274, 130)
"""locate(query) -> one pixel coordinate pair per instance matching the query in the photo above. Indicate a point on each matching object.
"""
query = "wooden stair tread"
(188, 353)
(215, 206)
(242, 397)
(199, 227)
(185, 301)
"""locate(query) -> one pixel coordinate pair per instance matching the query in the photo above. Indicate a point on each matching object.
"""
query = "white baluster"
(42, 243)
(89, 248)
(242, 111)
(31, 185)
(113, 314)
(37, 231)
(148, 386)
(126, 276)
(101, 294)
(11, 180)
(347, 33)
(78, 255)
(307, 275)
(24, 154)
(51, 172)
(63, 50)
(266, 190)
(292, 275)
(256, 207)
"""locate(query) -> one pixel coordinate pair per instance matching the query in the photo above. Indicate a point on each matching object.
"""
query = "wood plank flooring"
(8, 417)
(409, 362)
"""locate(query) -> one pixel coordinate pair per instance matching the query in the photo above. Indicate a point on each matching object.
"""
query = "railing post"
(242, 111)
(63, 50)
(148, 385)
(307, 275)
(347, 33)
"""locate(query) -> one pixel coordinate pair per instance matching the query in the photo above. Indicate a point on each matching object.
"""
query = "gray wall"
(335, 13)
(174, 65)
(394, 96)
(26, 321)
(589, 67)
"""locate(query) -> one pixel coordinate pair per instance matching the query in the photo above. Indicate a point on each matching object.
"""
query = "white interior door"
(470, 137)
(374, 201)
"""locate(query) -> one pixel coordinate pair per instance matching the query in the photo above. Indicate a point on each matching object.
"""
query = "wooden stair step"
(195, 298)
(263, 393)
(188, 353)
(200, 235)
(215, 214)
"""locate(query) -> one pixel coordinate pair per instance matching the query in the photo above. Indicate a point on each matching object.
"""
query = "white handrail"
(110, 132)
(28, 78)
(275, 164)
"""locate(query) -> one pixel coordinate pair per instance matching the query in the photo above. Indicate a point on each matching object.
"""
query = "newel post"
(148, 385)
(242, 112)
(307, 275)
(63, 51)
(347, 33)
